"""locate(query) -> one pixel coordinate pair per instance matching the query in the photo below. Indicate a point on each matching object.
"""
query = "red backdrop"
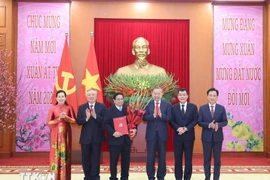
(169, 48)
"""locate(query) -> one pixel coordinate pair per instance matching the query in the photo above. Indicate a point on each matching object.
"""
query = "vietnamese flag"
(91, 78)
(65, 79)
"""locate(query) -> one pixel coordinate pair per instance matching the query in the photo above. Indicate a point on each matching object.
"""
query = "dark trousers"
(207, 153)
(179, 149)
(91, 160)
(115, 152)
(152, 146)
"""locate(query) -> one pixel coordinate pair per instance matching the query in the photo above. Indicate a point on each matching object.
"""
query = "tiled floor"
(233, 168)
(142, 176)
(77, 169)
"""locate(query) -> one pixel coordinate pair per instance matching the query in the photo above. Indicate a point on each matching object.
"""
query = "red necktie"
(91, 108)
(212, 111)
(157, 109)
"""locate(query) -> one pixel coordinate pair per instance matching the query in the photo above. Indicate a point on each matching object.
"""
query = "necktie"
(157, 109)
(120, 108)
(212, 111)
(182, 109)
(91, 108)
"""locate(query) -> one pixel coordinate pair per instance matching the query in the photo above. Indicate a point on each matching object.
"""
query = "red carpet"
(230, 165)
(197, 161)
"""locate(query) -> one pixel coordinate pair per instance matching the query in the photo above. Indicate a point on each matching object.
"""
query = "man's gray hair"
(157, 87)
(90, 89)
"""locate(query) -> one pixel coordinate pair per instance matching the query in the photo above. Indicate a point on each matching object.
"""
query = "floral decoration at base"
(247, 139)
(141, 84)
(137, 90)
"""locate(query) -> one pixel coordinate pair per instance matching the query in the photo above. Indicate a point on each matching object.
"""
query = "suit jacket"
(111, 113)
(208, 134)
(188, 120)
(92, 131)
(157, 123)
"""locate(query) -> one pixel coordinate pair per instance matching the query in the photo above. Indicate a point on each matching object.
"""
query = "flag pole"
(101, 154)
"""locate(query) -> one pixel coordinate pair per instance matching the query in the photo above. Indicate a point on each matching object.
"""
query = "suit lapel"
(178, 109)
(187, 110)
(153, 105)
(216, 111)
(209, 111)
(97, 107)
(87, 106)
(114, 110)
(124, 109)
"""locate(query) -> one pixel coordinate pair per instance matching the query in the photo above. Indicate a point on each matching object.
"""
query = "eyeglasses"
(119, 99)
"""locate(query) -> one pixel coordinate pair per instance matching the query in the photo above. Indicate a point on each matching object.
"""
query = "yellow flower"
(229, 145)
(231, 123)
(253, 137)
(239, 147)
(62, 147)
(61, 129)
(242, 131)
(259, 147)
(57, 154)
(54, 145)
(54, 167)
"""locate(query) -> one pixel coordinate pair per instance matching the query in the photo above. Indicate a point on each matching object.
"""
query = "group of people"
(95, 118)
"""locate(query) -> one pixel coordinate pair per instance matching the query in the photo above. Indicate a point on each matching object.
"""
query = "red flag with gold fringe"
(65, 79)
(91, 78)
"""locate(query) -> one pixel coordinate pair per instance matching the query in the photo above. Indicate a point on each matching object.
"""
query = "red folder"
(120, 124)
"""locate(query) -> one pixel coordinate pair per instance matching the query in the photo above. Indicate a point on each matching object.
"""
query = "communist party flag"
(91, 77)
(65, 79)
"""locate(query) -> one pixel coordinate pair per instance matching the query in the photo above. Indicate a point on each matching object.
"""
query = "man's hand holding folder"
(120, 126)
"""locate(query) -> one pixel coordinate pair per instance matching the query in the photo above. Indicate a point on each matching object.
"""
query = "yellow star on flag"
(90, 81)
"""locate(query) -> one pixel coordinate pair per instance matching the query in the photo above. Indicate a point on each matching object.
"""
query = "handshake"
(213, 125)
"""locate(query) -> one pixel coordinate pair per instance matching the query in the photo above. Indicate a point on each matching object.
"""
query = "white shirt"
(158, 103)
(210, 107)
(92, 104)
(90, 107)
(214, 108)
(120, 108)
(185, 107)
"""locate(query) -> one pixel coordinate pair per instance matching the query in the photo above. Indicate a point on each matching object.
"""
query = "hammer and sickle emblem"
(120, 125)
(67, 76)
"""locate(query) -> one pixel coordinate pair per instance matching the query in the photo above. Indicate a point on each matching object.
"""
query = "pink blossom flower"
(41, 143)
(29, 143)
(7, 94)
(37, 139)
(36, 146)
(34, 123)
(37, 132)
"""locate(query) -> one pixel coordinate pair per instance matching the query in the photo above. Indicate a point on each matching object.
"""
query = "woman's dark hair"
(61, 91)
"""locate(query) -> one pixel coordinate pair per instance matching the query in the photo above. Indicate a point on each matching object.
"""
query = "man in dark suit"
(212, 118)
(158, 114)
(90, 116)
(184, 118)
(118, 143)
